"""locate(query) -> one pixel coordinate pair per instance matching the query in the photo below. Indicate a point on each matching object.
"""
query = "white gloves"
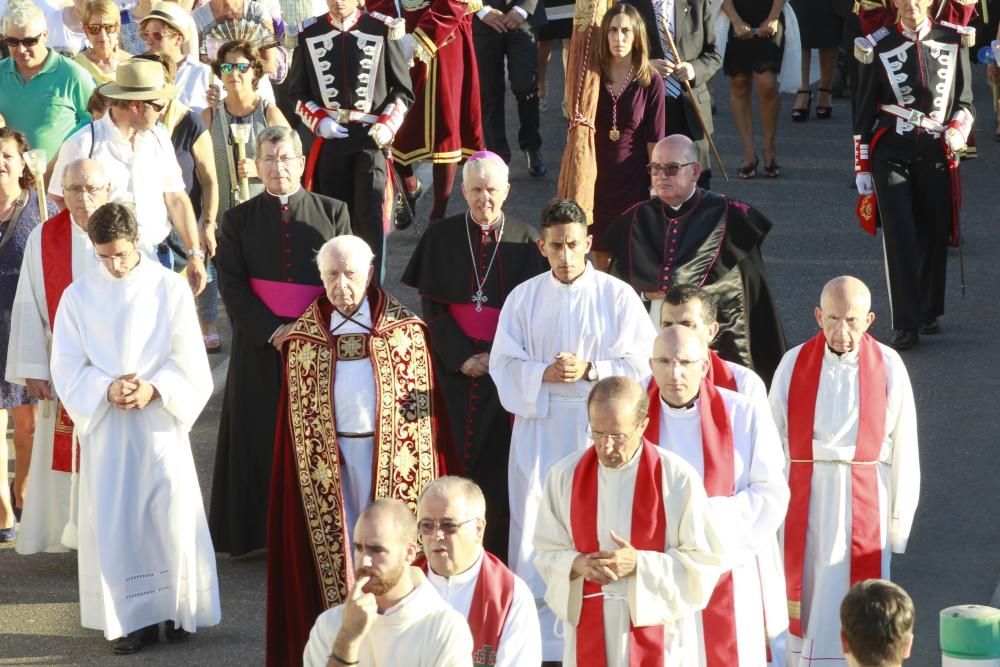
(863, 181)
(328, 128)
(409, 47)
(954, 139)
(381, 133)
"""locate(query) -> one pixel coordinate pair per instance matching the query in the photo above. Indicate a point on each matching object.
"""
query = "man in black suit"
(692, 25)
(506, 29)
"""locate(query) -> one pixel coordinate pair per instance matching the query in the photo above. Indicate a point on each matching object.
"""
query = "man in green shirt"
(42, 94)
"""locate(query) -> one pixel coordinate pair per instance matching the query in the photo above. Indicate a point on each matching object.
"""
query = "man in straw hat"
(166, 29)
(127, 141)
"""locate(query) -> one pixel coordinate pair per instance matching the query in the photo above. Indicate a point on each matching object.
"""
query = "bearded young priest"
(451, 518)
(465, 267)
(844, 408)
(731, 442)
(625, 542)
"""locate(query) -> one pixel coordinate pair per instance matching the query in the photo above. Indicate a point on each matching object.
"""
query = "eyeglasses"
(227, 68)
(616, 438)
(81, 189)
(27, 42)
(283, 160)
(447, 526)
(158, 108)
(683, 363)
(112, 260)
(666, 169)
(97, 28)
(156, 35)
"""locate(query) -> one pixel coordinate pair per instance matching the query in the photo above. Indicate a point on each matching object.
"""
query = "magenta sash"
(481, 325)
(285, 299)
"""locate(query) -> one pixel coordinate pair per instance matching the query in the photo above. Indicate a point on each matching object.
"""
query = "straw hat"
(173, 15)
(138, 79)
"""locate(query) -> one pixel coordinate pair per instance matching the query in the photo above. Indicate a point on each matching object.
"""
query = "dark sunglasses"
(227, 68)
(154, 106)
(28, 42)
(97, 28)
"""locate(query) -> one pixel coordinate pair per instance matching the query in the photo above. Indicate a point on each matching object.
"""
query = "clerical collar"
(493, 226)
(361, 317)
(683, 409)
(283, 199)
(915, 35)
(686, 200)
(465, 577)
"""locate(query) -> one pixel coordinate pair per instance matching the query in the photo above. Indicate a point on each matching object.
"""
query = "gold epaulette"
(864, 47)
(867, 5)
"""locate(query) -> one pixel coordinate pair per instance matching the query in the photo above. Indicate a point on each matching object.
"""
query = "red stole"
(719, 372)
(866, 538)
(57, 273)
(718, 619)
(649, 532)
(491, 602)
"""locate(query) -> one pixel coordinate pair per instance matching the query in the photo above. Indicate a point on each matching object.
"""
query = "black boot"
(135, 640)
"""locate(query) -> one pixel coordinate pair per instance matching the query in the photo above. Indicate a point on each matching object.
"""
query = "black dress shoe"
(173, 633)
(536, 165)
(930, 328)
(135, 640)
(904, 339)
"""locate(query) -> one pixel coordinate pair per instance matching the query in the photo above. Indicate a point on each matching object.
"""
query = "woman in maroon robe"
(631, 118)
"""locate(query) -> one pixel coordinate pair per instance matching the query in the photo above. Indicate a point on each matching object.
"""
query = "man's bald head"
(844, 313)
(623, 390)
(392, 513)
(679, 153)
(616, 409)
(85, 188)
(679, 363)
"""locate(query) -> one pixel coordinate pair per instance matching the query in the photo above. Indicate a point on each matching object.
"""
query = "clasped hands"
(501, 22)
(767, 29)
(477, 365)
(130, 391)
(567, 368)
(683, 71)
(604, 567)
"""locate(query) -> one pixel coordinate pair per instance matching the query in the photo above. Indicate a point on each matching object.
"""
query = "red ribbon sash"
(649, 533)
(718, 619)
(866, 538)
(719, 372)
(57, 273)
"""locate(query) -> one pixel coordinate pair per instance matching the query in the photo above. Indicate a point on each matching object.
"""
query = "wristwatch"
(195, 252)
(591, 372)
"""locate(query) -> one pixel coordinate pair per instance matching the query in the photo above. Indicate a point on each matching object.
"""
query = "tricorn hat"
(139, 79)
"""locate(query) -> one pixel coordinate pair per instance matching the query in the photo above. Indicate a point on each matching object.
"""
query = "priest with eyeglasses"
(689, 235)
(465, 267)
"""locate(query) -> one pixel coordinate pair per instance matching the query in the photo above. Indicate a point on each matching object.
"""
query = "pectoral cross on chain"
(479, 299)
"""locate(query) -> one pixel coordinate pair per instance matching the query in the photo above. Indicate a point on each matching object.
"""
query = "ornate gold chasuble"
(405, 459)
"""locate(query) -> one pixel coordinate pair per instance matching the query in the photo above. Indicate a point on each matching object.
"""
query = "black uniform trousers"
(677, 123)
(913, 188)
(353, 170)
(520, 49)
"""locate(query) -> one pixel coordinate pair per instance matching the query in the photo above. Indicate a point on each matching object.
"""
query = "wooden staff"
(694, 101)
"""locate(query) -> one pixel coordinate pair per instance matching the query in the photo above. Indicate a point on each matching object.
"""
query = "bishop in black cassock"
(464, 267)
(267, 271)
(704, 239)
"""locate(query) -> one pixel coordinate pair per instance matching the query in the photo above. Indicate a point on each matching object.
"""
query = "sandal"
(802, 115)
(772, 170)
(824, 112)
(746, 172)
(213, 343)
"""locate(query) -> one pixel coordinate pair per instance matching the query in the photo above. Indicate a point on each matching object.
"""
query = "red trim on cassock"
(866, 538)
(649, 533)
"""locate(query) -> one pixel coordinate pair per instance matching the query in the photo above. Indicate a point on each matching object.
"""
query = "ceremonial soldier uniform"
(875, 14)
(914, 112)
(350, 84)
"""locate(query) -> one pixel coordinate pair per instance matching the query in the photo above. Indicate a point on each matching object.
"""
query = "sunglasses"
(156, 35)
(154, 106)
(27, 42)
(227, 68)
(97, 28)
(671, 169)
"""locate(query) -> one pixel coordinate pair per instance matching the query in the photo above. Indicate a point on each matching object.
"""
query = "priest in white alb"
(499, 606)
(129, 364)
(58, 251)
(626, 542)
(732, 444)
(558, 334)
(844, 407)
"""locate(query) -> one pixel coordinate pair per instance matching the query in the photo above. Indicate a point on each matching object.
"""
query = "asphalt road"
(952, 556)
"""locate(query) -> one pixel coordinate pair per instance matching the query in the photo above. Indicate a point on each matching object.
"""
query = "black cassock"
(260, 240)
(442, 270)
(712, 242)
